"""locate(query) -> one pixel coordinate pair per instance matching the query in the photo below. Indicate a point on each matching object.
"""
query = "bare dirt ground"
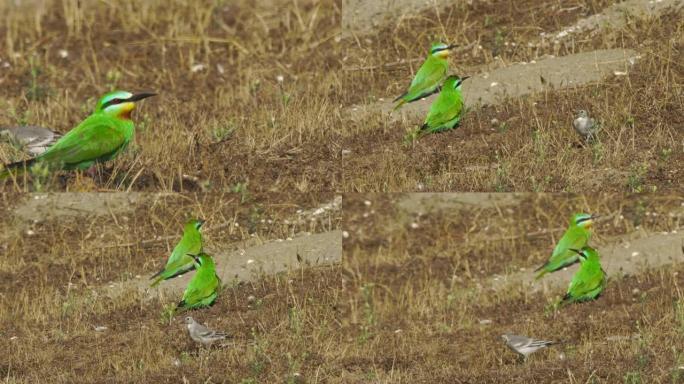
(437, 284)
(75, 303)
(534, 65)
(246, 90)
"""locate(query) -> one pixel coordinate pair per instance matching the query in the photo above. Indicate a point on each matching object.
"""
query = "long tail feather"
(157, 274)
(16, 168)
(402, 102)
(566, 299)
(157, 277)
(397, 99)
(541, 271)
(177, 273)
(156, 282)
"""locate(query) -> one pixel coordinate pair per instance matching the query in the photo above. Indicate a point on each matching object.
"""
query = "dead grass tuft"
(222, 118)
(522, 143)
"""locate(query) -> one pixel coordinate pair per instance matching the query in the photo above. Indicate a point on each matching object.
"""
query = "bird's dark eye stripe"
(112, 102)
(583, 219)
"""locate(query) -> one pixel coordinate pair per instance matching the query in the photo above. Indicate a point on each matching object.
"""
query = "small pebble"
(197, 67)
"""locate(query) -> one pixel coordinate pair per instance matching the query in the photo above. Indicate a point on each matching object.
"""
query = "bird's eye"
(111, 102)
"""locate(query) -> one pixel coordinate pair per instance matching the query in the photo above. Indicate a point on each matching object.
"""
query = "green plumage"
(429, 76)
(446, 111)
(576, 236)
(180, 260)
(98, 138)
(203, 288)
(589, 280)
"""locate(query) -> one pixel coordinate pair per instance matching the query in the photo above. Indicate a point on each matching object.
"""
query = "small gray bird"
(31, 139)
(524, 345)
(203, 334)
(585, 126)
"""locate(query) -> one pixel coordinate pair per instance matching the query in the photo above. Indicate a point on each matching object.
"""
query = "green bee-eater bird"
(98, 138)
(446, 111)
(589, 280)
(203, 288)
(180, 260)
(576, 236)
(430, 75)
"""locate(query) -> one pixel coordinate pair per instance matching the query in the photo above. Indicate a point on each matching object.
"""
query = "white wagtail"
(585, 126)
(203, 334)
(32, 139)
(524, 345)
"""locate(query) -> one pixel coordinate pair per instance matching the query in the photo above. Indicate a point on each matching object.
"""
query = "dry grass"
(406, 303)
(403, 307)
(420, 298)
(531, 138)
(226, 123)
(53, 297)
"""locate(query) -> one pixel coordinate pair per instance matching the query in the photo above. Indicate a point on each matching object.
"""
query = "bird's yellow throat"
(125, 110)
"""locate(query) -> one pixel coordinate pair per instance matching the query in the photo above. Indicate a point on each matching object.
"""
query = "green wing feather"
(97, 138)
(587, 283)
(573, 238)
(199, 291)
(445, 112)
(427, 80)
(179, 261)
(202, 289)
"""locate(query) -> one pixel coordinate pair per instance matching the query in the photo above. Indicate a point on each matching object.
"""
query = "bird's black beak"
(452, 46)
(593, 216)
(140, 96)
(201, 222)
(576, 251)
(465, 77)
(196, 257)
